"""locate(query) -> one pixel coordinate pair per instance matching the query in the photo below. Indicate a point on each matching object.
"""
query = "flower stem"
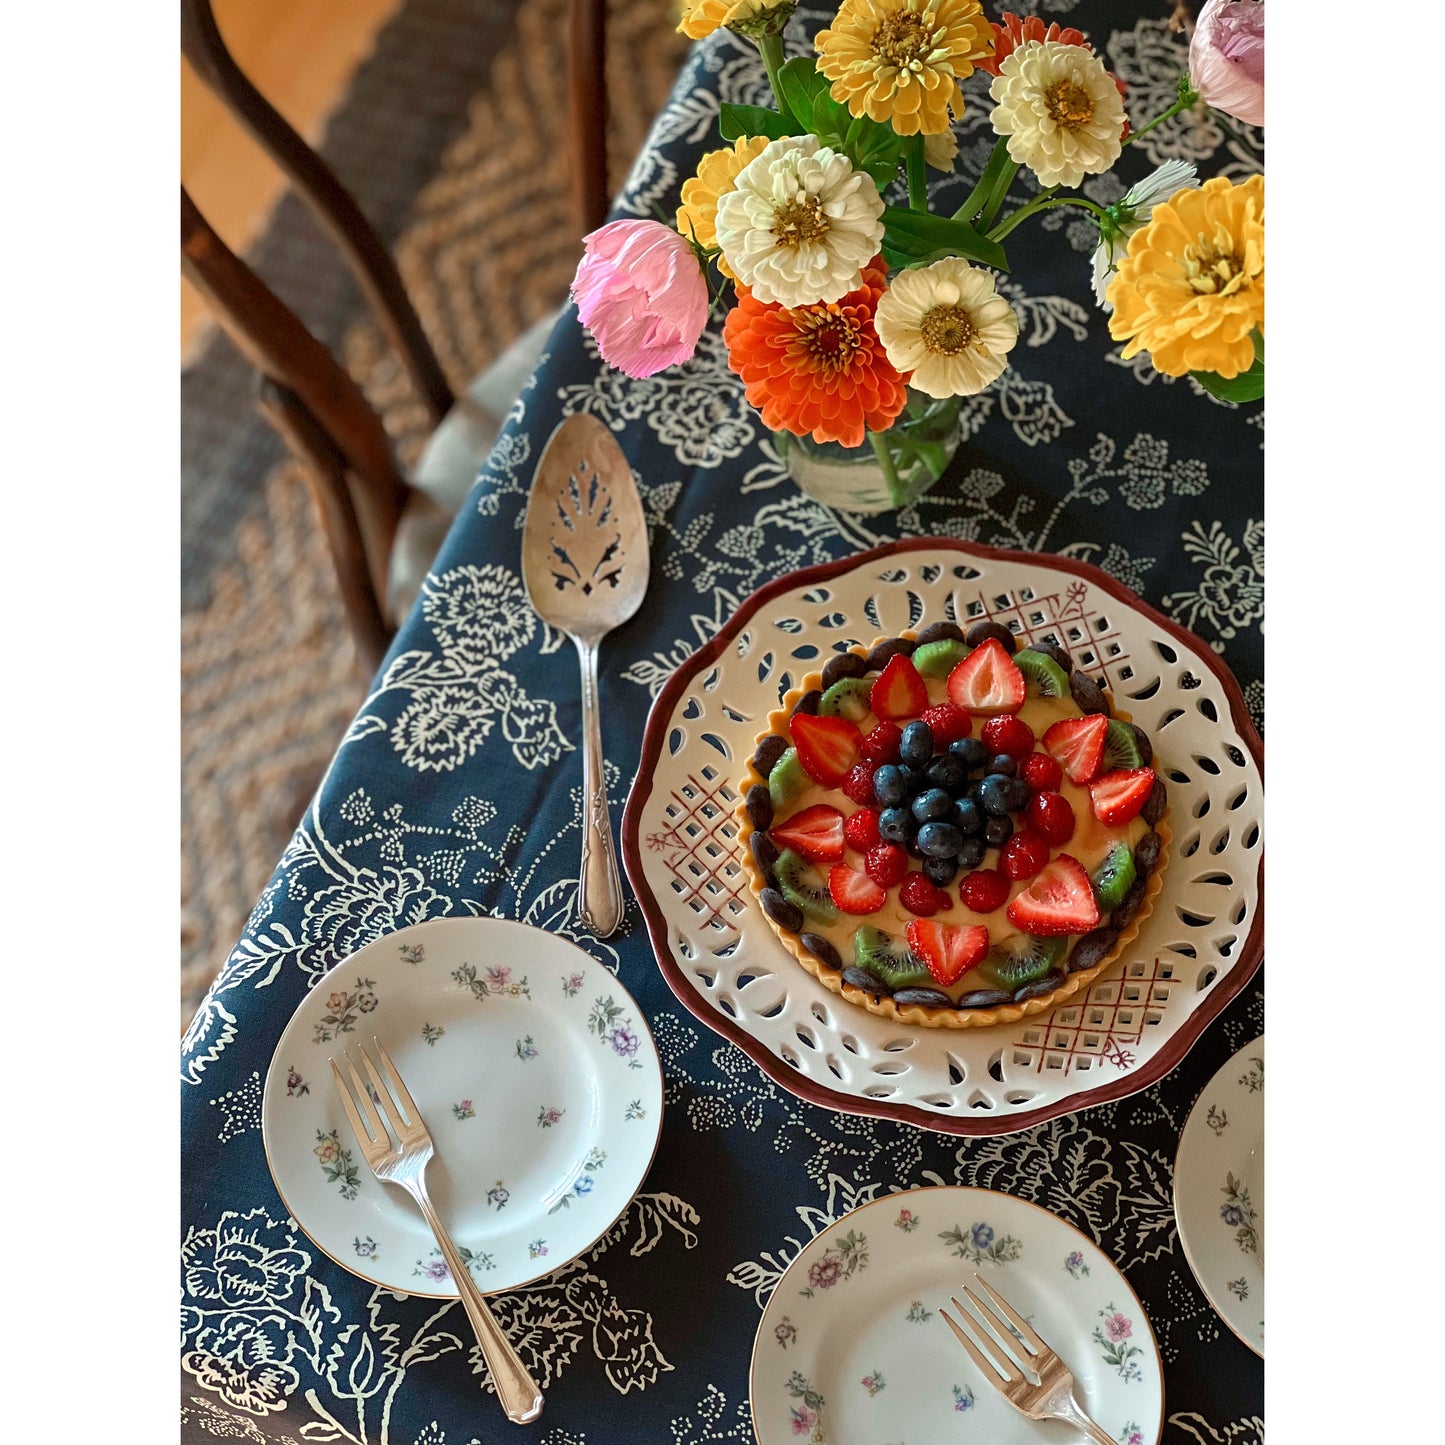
(890, 471)
(1187, 97)
(1045, 202)
(771, 49)
(917, 173)
(999, 193)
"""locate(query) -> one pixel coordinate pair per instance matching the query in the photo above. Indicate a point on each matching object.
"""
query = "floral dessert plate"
(535, 1073)
(1199, 946)
(851, 1346)
(1219, 1193)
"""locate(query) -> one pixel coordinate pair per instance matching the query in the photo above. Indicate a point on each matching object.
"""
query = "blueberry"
(889, 785)
(896, 825)
(993, 794)
(971, 854)
(947, 771)
(917, 745)
(940, 871)
(997, 831)
(967, 816)
(939, 840)
(912, 778)
(970, 752)
(1018, 795)
(1002, 765)
(931, 805)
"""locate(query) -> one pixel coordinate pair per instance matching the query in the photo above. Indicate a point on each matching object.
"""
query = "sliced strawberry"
(816, 833)
(948, 950)
(986, 682)
(1078, 743)
(900, 690)
(1117, 797)
(854, 892)
(827, 746)
(1060, 900)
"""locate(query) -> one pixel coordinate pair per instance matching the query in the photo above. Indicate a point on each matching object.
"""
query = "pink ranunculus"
(1226, 58)
(1117, 1327)
(640, 291)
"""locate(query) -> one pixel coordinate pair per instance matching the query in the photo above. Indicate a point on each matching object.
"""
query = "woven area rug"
(453, 138)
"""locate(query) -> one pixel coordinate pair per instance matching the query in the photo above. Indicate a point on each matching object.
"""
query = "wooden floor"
(300, 54)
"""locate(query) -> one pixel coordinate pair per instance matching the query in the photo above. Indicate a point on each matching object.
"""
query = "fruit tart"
(951, 830)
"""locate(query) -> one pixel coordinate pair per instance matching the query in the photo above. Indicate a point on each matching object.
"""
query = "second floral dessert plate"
(1219, 1193)
(536, 1075)
(852, 1346)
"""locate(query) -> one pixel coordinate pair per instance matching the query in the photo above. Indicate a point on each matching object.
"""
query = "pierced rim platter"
(536, 1075)
(1200, 945)
(851, 1345)
(1219, 1193)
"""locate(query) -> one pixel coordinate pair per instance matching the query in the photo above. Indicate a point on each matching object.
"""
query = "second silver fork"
(404, 1163)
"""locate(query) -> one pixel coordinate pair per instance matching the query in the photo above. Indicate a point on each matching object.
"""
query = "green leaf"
(800, 82)
(1247, 386)
(743, 120)
(918, 234)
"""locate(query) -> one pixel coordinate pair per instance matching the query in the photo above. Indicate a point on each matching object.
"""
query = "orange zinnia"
(817, 369)
(1014, 31)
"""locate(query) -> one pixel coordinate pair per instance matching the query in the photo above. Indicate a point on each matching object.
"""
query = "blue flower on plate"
(583, 1185)
(982, 1236)
(1232, 1215)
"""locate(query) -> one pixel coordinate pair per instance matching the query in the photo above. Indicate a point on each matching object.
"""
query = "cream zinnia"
(800, 224)
(1060, 111)
(947, 325)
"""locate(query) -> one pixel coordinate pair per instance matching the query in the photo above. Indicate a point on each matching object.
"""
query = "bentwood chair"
(382, 527)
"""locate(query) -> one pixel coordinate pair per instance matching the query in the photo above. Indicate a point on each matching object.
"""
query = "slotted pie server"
(585, 564)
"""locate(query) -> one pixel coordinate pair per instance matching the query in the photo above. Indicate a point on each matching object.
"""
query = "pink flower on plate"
(803, 1419)
(1117, 1327)
(640, 291)
(826, 1272)
(498, 978)
(1226, 58)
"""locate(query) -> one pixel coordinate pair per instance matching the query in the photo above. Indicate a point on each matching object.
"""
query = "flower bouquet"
(860, 316)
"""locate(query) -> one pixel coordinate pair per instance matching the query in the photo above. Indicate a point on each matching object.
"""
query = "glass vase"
(889, 470)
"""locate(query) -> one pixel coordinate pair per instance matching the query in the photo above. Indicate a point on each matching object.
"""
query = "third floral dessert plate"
(1219, 1193)
(851, 1346)
(536, 1075)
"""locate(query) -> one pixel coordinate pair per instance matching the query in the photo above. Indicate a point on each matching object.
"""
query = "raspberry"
(948, 722)
(886, 863)
(919, 895)
(861, 829)
(1041, 773)
(881, 745)
(984, 890)
(1050, 815)
(858, 785)
(1023, 855)
(1009, 735)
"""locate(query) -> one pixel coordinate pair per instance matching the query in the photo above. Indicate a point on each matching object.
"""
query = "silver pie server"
(585, 564)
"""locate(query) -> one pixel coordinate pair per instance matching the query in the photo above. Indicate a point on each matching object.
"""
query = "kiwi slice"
(788, 781)
(938, 659)
(1114, 877)
(888, 957)
(848, 697)
(1048, 678)
(1121, 746)
(801, 885)
(1021, 960)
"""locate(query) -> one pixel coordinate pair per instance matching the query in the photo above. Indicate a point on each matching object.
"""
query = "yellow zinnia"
(900, 61)
(717, 174)
(1191, 288)
(701, 17)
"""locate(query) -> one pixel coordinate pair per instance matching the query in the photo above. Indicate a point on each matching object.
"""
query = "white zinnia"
(1059, 109)
(947, 325)
(800, 223)
(1133, 210)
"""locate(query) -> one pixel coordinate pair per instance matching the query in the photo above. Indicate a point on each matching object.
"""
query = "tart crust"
(918, 1014)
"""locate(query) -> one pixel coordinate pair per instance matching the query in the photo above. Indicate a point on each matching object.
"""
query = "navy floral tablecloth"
(457, 791)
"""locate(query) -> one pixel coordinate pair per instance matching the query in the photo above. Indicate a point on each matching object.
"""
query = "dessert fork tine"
(1020, 1366)
(378, 1110)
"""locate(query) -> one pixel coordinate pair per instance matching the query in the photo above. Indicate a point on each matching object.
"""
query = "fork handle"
(1071, 1411)
(516, 1389)
(599, 886)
